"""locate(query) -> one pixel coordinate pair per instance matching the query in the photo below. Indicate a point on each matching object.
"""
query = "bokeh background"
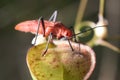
(14, 44)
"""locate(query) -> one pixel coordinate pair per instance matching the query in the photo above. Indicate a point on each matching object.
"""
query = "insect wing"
(27, 26)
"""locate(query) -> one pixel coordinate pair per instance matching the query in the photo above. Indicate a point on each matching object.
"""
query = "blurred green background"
(14, 44)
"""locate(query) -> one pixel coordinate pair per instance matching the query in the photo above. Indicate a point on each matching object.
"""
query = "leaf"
(60, 63)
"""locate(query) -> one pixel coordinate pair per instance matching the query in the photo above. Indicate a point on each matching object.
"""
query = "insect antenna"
(74, 35)
(54, 16)
(89, 30)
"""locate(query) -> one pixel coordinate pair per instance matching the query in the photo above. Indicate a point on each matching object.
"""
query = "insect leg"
(74, 37)
(79, 47)
(43, 27)
(49, 40)
(54, 16)
(70, 45)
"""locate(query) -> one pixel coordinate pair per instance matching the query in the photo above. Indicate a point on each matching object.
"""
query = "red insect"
(48, 28)
(45, 27)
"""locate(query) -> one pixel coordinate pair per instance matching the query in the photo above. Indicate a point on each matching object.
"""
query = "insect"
(49, 28)
(57, 29)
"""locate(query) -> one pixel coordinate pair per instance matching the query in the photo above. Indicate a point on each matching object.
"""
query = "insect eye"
(68, 34)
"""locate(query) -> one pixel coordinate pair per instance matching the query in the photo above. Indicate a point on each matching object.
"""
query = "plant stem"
(80, 13)
(108, 45)
(101, 7)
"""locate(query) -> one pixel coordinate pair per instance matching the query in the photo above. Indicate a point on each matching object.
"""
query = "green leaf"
(59, 63)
